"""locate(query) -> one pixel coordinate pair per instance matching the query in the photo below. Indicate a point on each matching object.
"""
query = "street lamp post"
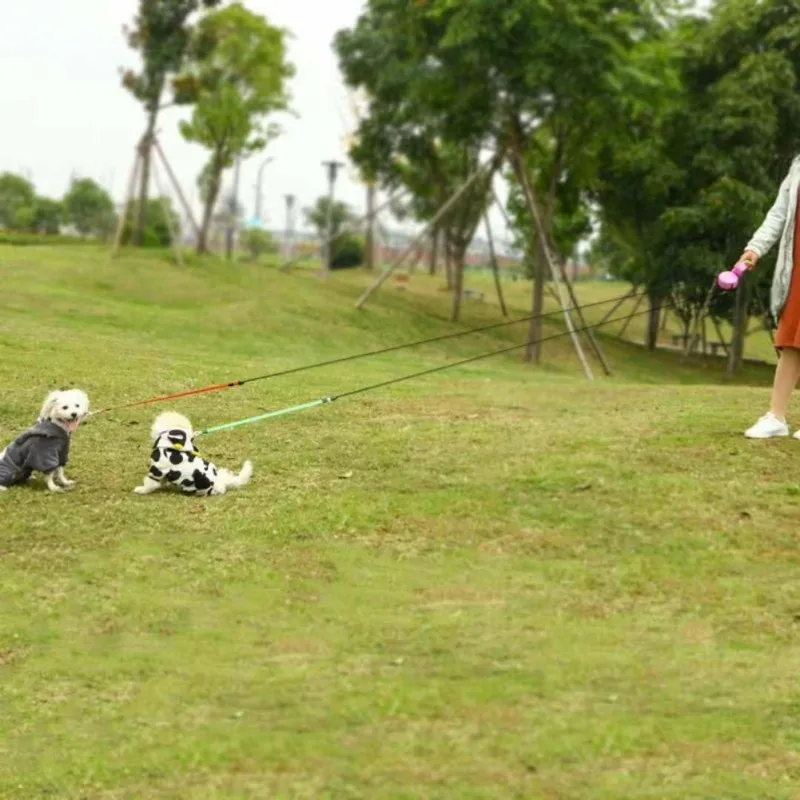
(258, 185)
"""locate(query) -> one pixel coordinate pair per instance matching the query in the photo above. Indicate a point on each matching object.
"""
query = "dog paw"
(68, 484)
(140, 490)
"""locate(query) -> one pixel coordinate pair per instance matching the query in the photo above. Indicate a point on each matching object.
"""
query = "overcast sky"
(64, 112)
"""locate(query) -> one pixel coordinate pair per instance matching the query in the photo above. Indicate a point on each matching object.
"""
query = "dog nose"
(74, 415)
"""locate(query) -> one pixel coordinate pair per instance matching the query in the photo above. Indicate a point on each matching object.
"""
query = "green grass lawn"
(496, 582)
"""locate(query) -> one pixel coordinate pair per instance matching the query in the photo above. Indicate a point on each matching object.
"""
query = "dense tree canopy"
(670, 129)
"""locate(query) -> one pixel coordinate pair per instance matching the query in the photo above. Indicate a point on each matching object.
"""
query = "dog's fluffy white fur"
(67, 408)
(175, 461)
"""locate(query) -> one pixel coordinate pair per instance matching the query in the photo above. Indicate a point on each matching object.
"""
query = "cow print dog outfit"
(175, 460)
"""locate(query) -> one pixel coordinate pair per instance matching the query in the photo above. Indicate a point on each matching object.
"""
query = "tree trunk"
(740, 320)
(214, 183)
(495, 266)
(369, 236)
(433, 256)
(144, 182)
(230, 231)
(533, 352)
(653, 323)
(448, 262)
(457, 268)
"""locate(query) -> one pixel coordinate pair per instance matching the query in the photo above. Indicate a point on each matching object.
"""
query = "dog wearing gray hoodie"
(44, 448)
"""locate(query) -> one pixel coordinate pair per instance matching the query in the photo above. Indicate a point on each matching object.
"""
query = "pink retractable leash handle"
(729, 279)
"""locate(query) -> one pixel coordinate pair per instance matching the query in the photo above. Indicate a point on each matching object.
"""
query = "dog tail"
(244, 476)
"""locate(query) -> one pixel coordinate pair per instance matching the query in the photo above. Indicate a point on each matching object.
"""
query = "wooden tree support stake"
(348, 227)
(127, 205)
(173, 234)
(130, 205)
(176, 186)
(619, 302)
(518, 165)
(495, 266)
(384, 276)
(633, 314)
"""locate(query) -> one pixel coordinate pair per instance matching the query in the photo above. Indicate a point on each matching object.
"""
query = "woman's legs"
(786, 375)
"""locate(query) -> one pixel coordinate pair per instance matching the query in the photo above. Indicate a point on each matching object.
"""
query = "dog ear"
(47, 408)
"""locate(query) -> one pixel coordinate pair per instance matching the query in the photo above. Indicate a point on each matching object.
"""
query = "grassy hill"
(497, 581)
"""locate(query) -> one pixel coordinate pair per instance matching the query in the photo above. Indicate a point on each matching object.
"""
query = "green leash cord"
(402, 378)
(283, 412)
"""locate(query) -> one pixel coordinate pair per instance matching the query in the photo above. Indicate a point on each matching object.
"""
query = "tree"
(567, 220)
(161, 33)
(43, 215)
(237, 72)
(402, 141)
(259, 242)
(15, 193)
(347, 251)
(539, 82)
(89, 208)
(317, 216)
(157, 231)
(741, 72)
(638, 178)
(47, 215)
(680, 191)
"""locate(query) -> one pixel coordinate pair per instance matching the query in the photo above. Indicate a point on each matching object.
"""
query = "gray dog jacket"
(43, 448)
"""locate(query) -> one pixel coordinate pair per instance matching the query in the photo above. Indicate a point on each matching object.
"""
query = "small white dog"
(45, 447)
(176, 462)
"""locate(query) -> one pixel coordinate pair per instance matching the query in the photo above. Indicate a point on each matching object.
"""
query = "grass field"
(495, 582)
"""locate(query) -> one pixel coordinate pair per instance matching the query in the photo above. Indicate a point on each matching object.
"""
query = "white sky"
(64, 111)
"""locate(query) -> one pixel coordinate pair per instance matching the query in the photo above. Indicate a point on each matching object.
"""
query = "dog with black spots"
(175, 462)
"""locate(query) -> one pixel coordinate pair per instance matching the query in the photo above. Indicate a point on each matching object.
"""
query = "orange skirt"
(788, 334)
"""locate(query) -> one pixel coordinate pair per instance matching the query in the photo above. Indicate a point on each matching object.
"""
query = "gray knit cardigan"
(780, 223)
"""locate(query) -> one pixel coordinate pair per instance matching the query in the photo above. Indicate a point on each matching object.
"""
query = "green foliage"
(317, 215)
(43, 215)
(16, 194)
(398, 55)
(47, 215)
(157, 230)
(237, 72)
(19, 239)
(258, 242)
(89, 208)
(568, 220)
(447, 79)
(347, 251)
(681, 190)
(161, 34)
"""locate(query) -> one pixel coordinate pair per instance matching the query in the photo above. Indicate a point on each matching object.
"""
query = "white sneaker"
(767, 427)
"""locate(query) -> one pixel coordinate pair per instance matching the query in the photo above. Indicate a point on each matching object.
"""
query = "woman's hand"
(750, 257)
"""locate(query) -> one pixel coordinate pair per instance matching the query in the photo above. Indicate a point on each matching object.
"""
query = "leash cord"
(383, 384)
(355, 357)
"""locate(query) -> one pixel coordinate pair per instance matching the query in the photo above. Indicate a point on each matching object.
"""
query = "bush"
(156, 230)
(258, 243)
(348, 251)
(18, 239)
